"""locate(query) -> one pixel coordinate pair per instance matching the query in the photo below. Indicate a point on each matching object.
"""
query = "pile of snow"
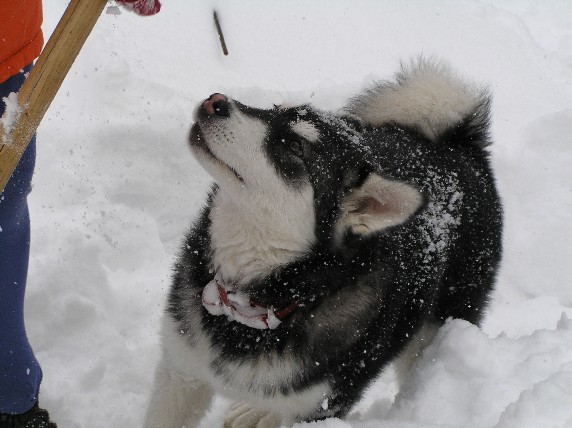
(116, 187)
(474, 379)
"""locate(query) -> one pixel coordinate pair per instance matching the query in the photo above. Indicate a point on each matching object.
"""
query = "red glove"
(141, 7)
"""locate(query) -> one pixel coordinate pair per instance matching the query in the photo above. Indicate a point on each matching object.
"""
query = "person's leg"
(20, 373)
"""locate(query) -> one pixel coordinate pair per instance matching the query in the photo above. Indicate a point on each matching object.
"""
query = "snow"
(116, 187)
(11, 113)
(464, 366)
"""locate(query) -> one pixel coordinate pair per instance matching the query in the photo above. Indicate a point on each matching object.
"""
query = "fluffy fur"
(378, 225)
(428, 96)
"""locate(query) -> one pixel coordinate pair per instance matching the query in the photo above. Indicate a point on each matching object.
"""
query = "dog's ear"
(376, 204)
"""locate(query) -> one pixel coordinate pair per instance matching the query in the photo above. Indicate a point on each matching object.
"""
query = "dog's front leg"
(242, 415)
(176, 401)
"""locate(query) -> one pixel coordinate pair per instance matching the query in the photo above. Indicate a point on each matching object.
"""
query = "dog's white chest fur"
(257, 380)
(250, 243)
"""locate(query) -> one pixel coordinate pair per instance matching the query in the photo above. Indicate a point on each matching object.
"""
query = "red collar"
(218, 300)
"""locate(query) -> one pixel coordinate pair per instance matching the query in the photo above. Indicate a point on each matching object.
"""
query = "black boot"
(33, 418)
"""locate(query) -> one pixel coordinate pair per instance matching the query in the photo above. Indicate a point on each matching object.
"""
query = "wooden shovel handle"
(45, 80)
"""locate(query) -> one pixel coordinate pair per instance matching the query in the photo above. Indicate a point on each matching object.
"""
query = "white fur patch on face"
(306, 130)
(259, 222)
(235, 146)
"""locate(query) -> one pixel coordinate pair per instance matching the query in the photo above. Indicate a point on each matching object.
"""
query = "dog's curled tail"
(428, 96)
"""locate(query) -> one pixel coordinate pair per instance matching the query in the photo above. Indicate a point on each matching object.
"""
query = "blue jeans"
(20, 373)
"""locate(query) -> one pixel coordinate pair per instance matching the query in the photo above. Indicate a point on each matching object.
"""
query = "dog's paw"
(241, 415)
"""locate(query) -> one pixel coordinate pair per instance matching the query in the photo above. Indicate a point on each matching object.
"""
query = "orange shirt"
(21, 38)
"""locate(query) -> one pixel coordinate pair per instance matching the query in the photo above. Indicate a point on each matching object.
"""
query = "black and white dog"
(331, 246)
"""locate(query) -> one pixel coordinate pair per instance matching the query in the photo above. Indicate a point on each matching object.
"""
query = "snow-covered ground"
(115, 188)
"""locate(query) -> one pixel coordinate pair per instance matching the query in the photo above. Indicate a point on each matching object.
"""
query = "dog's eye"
(296, 148)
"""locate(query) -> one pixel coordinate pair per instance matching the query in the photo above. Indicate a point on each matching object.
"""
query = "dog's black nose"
(216, 105)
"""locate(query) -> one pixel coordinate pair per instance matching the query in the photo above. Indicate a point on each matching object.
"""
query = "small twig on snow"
(220, 35)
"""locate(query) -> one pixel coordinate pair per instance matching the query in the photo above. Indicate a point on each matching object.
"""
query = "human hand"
(141, 7)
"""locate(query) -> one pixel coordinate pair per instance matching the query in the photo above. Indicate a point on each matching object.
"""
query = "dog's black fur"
(362, 297)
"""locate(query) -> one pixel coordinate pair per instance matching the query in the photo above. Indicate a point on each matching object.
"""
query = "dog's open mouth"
(198, 141)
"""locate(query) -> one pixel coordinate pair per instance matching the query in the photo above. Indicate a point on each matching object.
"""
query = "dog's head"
(309, 164)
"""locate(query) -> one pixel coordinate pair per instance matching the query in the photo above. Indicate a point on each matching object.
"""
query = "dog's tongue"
(237, 306)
